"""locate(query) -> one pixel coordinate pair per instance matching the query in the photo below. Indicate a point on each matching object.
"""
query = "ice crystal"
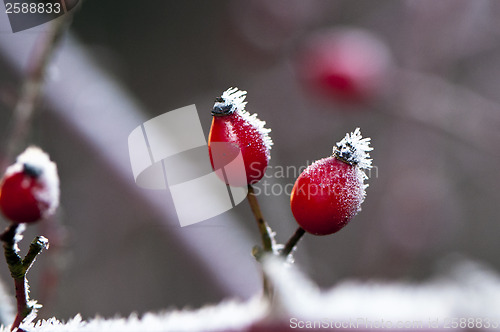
(233, 100)
(35, 161)
(353, 149)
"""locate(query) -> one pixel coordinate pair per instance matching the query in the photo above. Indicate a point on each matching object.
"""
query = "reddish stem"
(22, 302)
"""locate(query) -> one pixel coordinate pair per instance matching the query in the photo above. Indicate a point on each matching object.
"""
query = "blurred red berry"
(234, 130)
(329, 193)
(347, 65)
(30, 188)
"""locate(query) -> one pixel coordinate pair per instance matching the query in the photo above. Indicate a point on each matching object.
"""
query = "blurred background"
(421, 78)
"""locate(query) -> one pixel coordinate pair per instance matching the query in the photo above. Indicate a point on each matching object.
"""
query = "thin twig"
(264, 229)
(267, 239)
(19, 267)
(292, 242)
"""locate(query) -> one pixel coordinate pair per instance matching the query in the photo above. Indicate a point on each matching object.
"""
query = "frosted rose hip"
(239, 131)
(344, 64)
(329, 193)
(30, 188)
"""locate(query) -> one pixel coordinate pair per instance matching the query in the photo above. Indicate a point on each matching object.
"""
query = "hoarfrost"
(235, 98)
(465, 289)
(353, 149)
(226, 316)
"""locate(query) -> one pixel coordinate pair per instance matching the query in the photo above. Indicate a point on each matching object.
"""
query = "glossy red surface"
(326, 196)
(18, 198)
(241, 135)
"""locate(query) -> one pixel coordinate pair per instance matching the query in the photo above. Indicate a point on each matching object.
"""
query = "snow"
(463, 289)
(354, 150)
(230, 315)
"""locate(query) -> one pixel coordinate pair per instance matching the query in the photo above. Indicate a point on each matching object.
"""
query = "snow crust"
(464, 289)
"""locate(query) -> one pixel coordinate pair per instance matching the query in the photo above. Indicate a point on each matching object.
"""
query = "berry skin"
(329, 193)
(30, 188)
(234, 130)
(345, 65)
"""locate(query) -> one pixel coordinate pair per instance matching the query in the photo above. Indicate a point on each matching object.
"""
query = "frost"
(233, 99)
(18, 236)
(464, 289)
(227, 316)
(353, 149)
(34, 158)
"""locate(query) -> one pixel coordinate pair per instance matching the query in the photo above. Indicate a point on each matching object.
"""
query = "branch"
(264, 229)
(19, 267)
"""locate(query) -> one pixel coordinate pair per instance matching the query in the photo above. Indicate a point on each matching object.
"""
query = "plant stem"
(264, 229)
(267, 238)
(292, 242)
(23, 309)
(19, 267)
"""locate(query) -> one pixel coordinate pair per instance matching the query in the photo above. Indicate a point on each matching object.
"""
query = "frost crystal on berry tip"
(353, 149)
(236, 99)
(233, 97)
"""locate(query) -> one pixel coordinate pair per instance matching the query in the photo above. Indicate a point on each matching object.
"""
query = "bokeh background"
(118, 249)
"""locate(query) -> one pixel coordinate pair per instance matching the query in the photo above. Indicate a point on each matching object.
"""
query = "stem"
(292, 242)
(23, 310)
(264, 229)
(19, 267)
(267, 238)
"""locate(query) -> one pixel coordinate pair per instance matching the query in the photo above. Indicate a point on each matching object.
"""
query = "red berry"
(30, 188)
(329, 193)
(344, 65)
(234, 130)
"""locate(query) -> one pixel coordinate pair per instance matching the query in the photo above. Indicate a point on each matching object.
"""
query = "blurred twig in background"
(41, 57)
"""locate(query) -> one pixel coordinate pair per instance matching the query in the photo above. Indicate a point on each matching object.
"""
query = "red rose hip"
(233, 130)
(347, 65)
(30, 188)
(329, 193)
